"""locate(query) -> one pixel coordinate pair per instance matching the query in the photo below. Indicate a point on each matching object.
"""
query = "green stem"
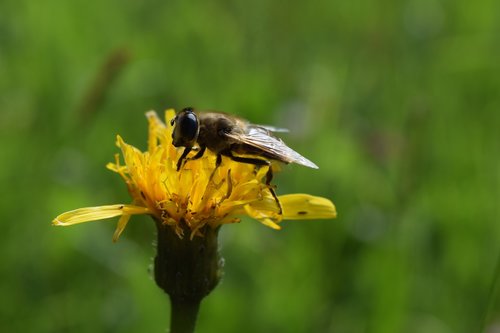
(183, 315)
(187, 269)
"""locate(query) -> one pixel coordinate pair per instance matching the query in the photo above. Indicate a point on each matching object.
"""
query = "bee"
(232, 137)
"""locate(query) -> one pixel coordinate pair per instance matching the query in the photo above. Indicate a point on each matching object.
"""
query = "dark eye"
(188, 126)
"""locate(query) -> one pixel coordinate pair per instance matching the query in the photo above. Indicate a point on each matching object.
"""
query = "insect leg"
(269, 177)
(218, 161)
(248, 160)
(199, 154)
(183, 157)
(269, 174)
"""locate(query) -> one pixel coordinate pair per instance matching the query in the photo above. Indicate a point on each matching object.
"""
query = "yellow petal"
(88, 214)
(266, 218)
(156, 128)
(169, 115)
(122, 223)
(269, 223)
(306, 207)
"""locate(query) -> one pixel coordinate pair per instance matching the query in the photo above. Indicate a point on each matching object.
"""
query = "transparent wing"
(273, 129)
(260, 138)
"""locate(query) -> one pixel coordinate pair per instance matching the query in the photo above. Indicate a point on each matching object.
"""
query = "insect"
(230, 136)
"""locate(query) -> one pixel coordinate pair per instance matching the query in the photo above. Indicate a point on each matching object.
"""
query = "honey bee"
(230, 136)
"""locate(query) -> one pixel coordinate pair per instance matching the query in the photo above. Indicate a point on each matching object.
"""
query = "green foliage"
(396, 101)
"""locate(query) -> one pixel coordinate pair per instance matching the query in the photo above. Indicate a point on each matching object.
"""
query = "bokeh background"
(397, 101)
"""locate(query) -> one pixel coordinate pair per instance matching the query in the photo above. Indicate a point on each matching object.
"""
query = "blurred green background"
(397, 101)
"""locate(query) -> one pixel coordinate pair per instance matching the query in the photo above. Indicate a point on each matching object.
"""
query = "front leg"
(199, 154)
(183, 157)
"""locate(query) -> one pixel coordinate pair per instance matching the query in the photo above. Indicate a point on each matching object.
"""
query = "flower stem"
(187, 269)
(183, 315)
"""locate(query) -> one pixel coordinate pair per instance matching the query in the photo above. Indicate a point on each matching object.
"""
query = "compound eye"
(188, 126)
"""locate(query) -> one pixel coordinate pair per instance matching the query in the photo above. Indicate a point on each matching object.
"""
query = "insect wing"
(273, 129)
(260, 138)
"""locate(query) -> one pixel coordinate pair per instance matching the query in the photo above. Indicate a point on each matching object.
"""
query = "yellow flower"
(197, 195)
